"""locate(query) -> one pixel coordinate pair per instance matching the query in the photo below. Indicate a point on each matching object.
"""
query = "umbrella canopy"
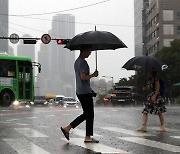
(144, 63)
(97, 40)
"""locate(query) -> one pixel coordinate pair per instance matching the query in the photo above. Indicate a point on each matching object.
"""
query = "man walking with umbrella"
(84, 94)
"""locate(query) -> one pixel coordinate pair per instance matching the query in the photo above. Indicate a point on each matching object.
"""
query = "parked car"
(40, 101)
(70, 102)
(125, 95)
(58, 100)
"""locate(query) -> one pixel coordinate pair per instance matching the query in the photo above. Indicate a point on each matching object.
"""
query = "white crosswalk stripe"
(177, 137)
(50, 116)
(167, 129)
(28, 132)
(22, 124)
(31, 117)
(150, 143)
(95, 147)
(91, 146)
(126, 131)
(23, 146)
(12, 120)
(82, 133)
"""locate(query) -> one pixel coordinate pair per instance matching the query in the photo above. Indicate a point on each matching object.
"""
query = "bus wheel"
(6, 98)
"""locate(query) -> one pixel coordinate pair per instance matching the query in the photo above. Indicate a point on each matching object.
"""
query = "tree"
(171, 57)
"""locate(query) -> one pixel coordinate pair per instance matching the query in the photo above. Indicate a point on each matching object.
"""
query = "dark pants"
(86, 101)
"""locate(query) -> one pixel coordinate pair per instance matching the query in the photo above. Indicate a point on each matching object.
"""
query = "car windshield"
(59, 98)
(122, 89)
(69, 99)
(39, 98)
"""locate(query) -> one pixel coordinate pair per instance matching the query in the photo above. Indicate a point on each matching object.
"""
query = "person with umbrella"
(155, 102)
(84, 94)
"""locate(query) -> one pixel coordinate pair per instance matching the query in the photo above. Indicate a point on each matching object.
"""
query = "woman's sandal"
(92, 141)
(65, 133)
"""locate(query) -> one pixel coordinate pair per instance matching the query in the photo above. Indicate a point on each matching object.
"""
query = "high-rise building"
(139, 23)
(157, 23)
(58, 75)
(4, 11)
(162, 24)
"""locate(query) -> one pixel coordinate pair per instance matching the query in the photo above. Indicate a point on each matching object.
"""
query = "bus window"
(20, 81)
(7, 68)
(28, 82)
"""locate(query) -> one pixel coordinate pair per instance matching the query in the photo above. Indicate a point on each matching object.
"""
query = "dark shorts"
(154, 108)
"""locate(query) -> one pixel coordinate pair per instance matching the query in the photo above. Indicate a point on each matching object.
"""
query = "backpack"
(162, 87)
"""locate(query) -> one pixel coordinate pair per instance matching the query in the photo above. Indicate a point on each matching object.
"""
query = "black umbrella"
(97, 40)
(145, 63)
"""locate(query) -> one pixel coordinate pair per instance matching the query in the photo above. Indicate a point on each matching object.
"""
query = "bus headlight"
(16, 103)
(45, 103)
(32, 103)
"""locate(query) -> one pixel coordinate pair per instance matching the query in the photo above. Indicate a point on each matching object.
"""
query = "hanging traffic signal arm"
(46, 39)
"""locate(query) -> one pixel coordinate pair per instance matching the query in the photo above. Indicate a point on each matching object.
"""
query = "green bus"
(16, 79)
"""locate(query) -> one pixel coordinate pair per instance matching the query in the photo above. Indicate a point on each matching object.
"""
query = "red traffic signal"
(62, 41)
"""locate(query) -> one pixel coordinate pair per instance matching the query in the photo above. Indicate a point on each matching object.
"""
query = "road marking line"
(65, 114)
(167, 129)
(150, 143)
(12, 119)
(31, 117)
(4, 122)
(22, 124)
(43, 126)
(23, 146)
(50, 116)
(125, 131)
(178, 137)
(30, 132)
(82, 133)
(5, 110)
(96, 147)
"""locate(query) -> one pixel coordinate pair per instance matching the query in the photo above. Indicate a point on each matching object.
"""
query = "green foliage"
(171, 57)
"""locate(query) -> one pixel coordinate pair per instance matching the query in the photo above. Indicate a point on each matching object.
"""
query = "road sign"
(46, 38)
(14, 38)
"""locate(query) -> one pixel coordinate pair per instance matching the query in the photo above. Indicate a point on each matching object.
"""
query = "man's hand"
(95, 74)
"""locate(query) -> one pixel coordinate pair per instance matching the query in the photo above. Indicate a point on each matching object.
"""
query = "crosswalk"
(154, 144)
(98, 148)
(126, 131)
(24, 145)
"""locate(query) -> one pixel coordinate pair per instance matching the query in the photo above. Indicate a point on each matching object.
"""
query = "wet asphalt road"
(36, 131)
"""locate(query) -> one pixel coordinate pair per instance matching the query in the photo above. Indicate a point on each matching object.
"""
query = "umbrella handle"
(96, 59)
(96, 54)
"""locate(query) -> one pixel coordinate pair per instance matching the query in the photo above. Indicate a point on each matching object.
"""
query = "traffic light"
(30, 41)
(62, 41)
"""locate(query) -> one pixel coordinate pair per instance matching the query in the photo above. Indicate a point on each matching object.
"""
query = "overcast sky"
(116, 16)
